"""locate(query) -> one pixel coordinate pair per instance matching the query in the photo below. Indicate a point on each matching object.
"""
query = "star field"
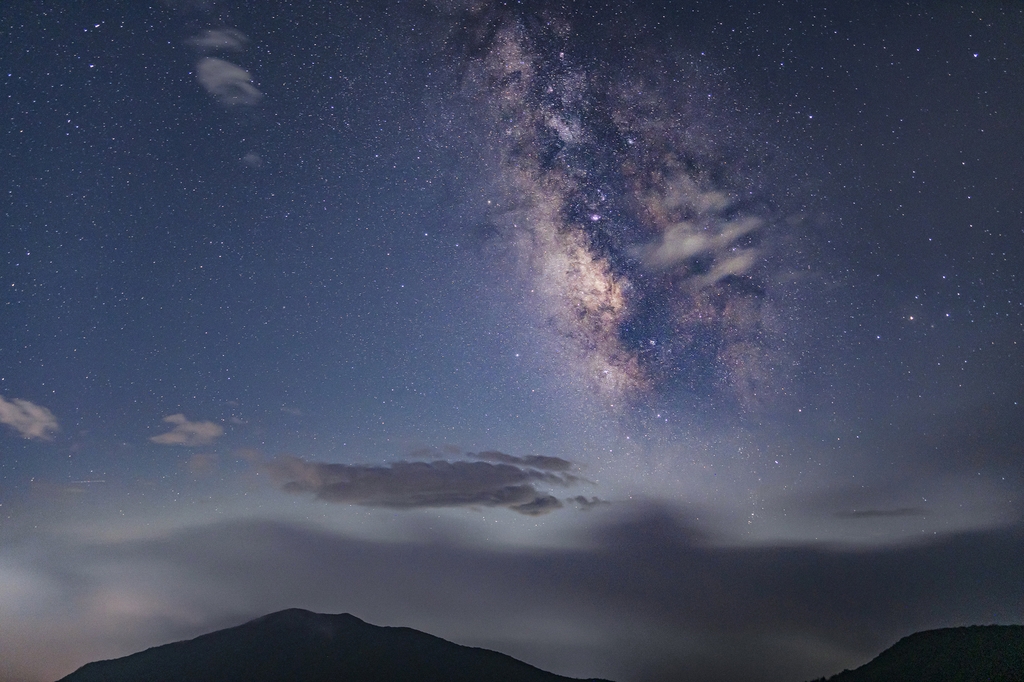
(632, 341)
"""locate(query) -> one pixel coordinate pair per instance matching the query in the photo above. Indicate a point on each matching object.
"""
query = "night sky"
(648, 341)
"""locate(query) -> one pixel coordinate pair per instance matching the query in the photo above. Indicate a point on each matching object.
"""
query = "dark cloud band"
(504, 481)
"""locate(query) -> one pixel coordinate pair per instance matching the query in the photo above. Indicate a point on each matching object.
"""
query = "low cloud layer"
(644, 597)
(28, 419)
(500, 480)
(189, 434)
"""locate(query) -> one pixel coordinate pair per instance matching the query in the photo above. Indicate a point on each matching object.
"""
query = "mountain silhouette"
(301, 646)
(980, 653)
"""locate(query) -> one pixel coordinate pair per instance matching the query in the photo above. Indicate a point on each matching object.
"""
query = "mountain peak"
(303, 646)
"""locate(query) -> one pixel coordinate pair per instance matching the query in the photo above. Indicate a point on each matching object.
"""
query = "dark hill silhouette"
(301, 646)
(980, 653)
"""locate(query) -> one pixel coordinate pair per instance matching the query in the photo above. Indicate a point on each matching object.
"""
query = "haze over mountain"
(301, 646)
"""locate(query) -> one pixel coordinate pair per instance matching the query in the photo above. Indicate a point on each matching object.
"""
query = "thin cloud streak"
(219, 39)
(880, 513)
(533, 461)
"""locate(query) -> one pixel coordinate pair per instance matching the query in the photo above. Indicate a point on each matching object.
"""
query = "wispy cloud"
(230, 84)
(533, 461)
(28, 419)
(586, 503)
(189, 434)
(201, 464)
(219, 39)
(504, 481)
(880, 513)
(186, 6)
(253, 160)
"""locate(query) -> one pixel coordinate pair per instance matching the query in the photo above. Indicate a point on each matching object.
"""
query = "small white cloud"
(253, 160)
(189, 434)
(222, 39)
(230, 84)
(29, 419)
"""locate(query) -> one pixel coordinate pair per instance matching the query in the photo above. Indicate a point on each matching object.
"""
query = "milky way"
(635, 207)
(639, 341)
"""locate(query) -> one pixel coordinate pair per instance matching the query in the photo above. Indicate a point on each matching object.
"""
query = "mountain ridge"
(975, 653)
(303, 646)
